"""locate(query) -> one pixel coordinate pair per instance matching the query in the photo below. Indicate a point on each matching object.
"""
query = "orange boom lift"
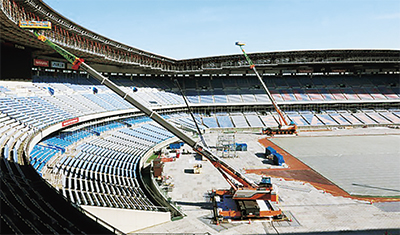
(284, 127)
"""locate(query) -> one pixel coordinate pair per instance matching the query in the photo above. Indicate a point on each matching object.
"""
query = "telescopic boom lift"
(246, 195)
(284, 127)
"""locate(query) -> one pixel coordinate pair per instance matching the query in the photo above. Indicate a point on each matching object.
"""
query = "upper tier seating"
(239, 89)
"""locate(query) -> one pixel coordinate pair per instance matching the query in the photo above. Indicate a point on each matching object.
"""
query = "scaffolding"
(226, 145)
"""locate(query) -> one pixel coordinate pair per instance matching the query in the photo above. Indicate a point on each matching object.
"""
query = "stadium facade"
(47, 109)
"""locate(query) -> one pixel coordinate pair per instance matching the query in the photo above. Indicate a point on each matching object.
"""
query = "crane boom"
(198, 147)
(274, 103)
(202, 150)
(250, 200)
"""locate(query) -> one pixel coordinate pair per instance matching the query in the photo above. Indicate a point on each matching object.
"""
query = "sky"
(182, 29)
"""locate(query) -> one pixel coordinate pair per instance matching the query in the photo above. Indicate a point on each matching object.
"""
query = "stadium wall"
(129, 220)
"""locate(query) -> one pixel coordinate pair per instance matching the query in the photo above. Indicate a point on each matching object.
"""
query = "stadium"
(121, 144)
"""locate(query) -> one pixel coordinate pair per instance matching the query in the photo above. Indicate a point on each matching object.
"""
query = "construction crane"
(284, 127)
(244, 200)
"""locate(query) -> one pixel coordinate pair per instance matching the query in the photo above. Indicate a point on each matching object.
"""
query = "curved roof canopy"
(108, 55)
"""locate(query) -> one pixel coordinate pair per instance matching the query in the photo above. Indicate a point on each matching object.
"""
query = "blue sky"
(198, 28)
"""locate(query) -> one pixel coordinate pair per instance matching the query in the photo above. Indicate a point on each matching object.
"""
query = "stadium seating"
(24, 209)
(76, 98)
(224, 120)
(49, 147)
(98, 163)
(210, 122)
(288, 89)
(239, 121)
(104, 171)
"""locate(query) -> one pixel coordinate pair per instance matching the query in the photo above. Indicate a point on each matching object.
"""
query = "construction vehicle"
(283, 127)
(246, 199)
(197, 168)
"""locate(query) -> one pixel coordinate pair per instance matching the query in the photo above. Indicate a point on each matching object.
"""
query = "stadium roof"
(109, 55)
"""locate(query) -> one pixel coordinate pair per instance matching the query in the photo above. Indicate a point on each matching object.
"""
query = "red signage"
(339, 70)
(41, 63)
(305, 71)
(70, 122)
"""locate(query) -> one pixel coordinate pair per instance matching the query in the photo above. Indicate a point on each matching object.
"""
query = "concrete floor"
(361, 165)
(312, 209)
